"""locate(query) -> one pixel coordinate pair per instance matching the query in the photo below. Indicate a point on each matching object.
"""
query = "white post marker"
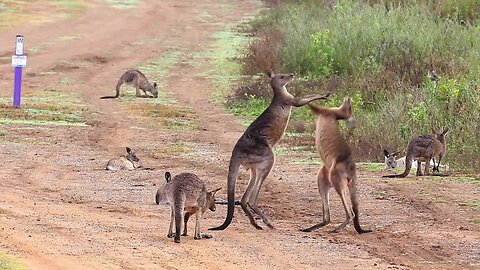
(19, 61)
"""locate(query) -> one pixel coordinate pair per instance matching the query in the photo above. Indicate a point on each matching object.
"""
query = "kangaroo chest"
(279, 123)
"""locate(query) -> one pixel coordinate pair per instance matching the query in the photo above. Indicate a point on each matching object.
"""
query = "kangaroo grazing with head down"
(185, 193)
(128, 162)
(136, 78)
(254, 148)
(338, 168)
(424, 148)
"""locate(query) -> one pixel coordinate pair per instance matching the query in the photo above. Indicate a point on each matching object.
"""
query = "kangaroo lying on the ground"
(185, 193)
(338, 168)
(254, 148)
(136, 78)
(423, 149)
(128, 162)
(391, 162)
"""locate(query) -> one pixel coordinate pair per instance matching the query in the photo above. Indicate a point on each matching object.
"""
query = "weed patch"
(8, 262)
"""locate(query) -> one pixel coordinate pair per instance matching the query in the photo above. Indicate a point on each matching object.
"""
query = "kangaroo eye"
(282, 77)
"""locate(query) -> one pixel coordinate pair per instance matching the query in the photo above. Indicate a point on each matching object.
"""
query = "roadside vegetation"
(380, 53)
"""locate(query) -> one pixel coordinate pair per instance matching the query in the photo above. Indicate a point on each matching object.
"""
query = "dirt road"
(59, 209)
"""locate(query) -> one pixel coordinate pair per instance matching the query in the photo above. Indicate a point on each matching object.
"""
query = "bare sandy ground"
(60, 210)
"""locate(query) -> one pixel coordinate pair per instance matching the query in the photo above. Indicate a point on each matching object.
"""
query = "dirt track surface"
(60, 210)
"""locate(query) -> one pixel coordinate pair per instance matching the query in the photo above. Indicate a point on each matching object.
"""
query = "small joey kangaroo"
(254, 148)
(136, 78)
(187, 195)
(424, 148)
(126, 162)
(338, 170)
(390, 159)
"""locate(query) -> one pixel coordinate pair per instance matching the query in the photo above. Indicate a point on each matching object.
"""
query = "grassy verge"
(47, 107)
(8, 262)
(16, 12)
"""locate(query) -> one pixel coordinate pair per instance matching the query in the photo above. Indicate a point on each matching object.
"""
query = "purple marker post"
(19, 61)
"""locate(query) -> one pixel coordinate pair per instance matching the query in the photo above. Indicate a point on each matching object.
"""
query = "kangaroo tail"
(232, 178)
(408, 166)
(157, 197)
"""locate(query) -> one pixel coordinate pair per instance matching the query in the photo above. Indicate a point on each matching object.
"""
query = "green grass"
(123, 4)
(378, 193)
(476, 220)
(47, 107)
(370, 167)
(8, 262)
(15, 12)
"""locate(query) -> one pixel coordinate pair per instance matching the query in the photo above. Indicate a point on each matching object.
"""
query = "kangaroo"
(185, 193)
(391, 161)
(128, 162)
(338, 168)
(136, 78)
(424, 148)
(254, 148)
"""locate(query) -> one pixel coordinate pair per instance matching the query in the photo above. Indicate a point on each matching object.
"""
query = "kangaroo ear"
(396, 153)
(215, 191)
(385, 153)
(129, 150)
(154, 85)
(168, 177)
(445, 131)
(270, 74)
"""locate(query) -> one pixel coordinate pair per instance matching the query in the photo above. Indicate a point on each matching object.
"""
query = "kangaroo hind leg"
(323, 188)
(263, 170)
(246, 197)
(339, 180)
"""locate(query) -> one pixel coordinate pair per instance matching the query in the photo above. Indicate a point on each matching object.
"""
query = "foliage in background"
(380, 54)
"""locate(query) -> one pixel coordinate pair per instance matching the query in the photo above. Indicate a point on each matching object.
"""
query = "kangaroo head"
(161, 196)
(441, 136)
(131, 156)
(390, 159)
(279, 81)
(210, 202)
(154, 90)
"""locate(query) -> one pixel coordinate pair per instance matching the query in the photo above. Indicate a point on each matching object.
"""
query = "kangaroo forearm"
(298, 102)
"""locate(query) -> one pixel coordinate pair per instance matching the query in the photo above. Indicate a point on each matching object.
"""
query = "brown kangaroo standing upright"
(254, 148)
(187, 194)
(136, 78)
(338, 168)
(423, 149)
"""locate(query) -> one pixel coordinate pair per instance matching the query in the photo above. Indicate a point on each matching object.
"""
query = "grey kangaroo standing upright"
(185, 193)
(254, 148)
(423, 149)
(136, 78)
(338, 170)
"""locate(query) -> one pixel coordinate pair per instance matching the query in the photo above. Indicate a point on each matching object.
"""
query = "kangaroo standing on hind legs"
(423, 149)
(254, 148)
(338, 168)
(136, 78)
